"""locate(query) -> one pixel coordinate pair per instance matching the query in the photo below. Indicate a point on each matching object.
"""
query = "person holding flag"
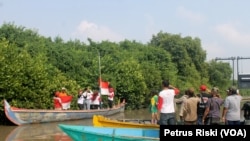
(65, 99)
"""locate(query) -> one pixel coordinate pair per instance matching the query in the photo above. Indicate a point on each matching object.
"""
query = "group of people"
(86, 99)
(197, 109)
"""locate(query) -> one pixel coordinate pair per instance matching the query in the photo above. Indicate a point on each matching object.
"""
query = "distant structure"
(243, 79)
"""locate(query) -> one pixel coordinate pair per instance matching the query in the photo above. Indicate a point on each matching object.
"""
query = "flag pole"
(100, 72)
(100, 78)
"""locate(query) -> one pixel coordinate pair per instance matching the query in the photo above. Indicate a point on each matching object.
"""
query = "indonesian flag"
(66, 101)
(104, 87)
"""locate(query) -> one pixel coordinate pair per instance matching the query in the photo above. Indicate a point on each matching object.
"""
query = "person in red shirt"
(57, 101)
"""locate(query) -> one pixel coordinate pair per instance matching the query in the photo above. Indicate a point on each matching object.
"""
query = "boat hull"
(101, 121)
(86, 133)
(29, 116)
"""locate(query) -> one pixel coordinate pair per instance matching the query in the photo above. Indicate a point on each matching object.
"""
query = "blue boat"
(91, 133)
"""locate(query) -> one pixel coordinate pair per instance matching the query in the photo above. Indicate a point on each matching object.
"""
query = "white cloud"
(190, 15)
(233, 35)
(96, 32)
(213, 50)
(150, 27)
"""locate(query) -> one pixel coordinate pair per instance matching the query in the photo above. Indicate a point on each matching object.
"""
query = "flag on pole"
(104, 87)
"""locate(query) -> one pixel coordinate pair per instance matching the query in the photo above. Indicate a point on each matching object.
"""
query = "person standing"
(231, 111)
(181, 101)
(190, 108)
(65, 99)
(57, 101)
(87, 94)
(246, 112)
(166, 104)
(63, 92)
(204, 96)
(111, 96)
(95, 100)
(153, 107)
(213, 106)
(80, 99)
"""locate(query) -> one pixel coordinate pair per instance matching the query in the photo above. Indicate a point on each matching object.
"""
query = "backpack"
(201, 106)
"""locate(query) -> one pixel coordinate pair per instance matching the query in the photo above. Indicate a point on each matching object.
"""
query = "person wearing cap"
(166, 104)
(213, 106)
(204, 96)
(190, 108)
(63, 92)
(231, 111)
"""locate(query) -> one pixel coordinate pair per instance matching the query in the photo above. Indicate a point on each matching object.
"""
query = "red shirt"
(57, 103)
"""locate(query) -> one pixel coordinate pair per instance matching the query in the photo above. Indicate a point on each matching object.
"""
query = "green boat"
(91, 133)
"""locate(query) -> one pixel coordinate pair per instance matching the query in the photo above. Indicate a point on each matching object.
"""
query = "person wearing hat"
(63, 92)
(204, 96)
(190, 108)
(213, 106)
(231, 111)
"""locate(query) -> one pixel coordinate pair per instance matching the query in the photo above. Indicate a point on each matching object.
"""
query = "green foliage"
(219, 75)
(33, 66)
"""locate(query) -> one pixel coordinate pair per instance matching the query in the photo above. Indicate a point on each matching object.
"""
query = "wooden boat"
(29, 116)
(101, 121)
(91, 133)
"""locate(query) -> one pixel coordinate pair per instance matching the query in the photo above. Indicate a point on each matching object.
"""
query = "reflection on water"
(51, 132)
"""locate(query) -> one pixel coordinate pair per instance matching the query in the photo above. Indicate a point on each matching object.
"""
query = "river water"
(51, 132)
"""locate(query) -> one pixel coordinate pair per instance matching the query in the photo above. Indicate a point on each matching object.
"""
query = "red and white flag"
(66, 101)
(104, 87)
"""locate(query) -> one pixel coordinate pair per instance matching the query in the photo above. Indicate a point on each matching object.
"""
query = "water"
(51, 132)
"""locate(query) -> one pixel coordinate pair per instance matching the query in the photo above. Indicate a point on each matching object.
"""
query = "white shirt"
(168, 104)
(97, 100)
(111, 96)
(88, 95)
(80, 99)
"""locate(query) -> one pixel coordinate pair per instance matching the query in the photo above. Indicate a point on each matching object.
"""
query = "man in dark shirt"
(204, 96)
(246, 112)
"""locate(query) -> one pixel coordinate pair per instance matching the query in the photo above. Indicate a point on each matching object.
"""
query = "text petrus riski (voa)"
(207, 132)
(197, 132)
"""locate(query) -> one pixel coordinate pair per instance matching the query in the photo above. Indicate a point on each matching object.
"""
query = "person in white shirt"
(111, 96)
(166, 104)
(95, 100)
(87, 94)
(80, 99)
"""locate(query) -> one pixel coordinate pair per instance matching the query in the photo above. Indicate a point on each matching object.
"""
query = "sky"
(221, 25)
